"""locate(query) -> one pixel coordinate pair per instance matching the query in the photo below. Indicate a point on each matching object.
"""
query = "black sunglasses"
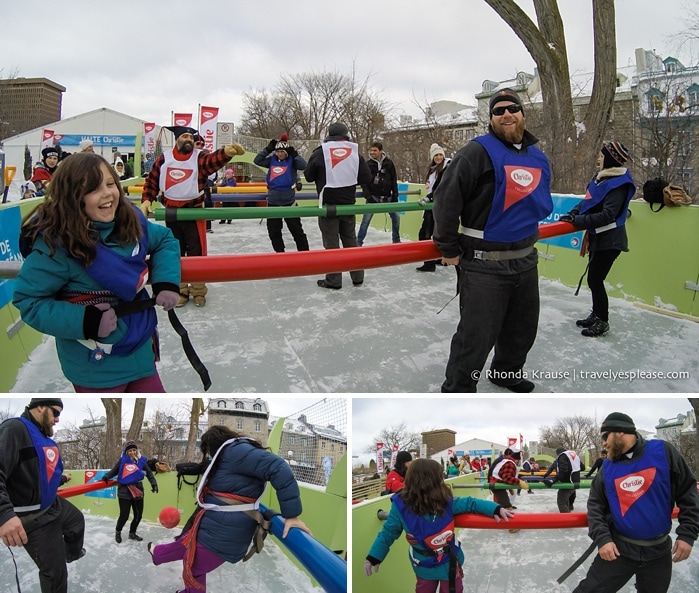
(56, 413)
(605, 436)
(514, 108)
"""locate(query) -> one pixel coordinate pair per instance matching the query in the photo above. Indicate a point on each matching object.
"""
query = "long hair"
(213, 438)
(61, 218)
(425, 491)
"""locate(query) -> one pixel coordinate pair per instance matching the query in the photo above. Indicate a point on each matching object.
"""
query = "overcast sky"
(75, 409)
(497, 418)
(148, 59)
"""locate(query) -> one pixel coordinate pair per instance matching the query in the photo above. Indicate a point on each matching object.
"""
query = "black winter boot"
(136, 537)
(588, 321)
(117, 537)
(428, 266)
(598, 328)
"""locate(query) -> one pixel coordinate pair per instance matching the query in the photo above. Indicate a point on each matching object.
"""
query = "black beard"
(186, 147)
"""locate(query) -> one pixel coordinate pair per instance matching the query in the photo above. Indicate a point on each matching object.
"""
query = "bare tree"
(569, 150)
(400, 435)
(572, 432)
(112, 442)
(139, 411)
(304, 105)
(197, 410)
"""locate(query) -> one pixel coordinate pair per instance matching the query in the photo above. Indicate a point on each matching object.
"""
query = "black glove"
(566, 218)
(548, 483)
(154, 489)
(299, 186)
(291, 151)
(272, 145)
(105, 479)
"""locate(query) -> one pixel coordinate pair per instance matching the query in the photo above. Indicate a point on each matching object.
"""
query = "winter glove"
(234, 150)
(167, 299)
(523, 485)
(566, 218)
(105, 479)
(154, 489)
(368, 567)
(292, 152)
(108, 322)
(299, 186)
(548, 483)
(146, 207)
(271, 146)
(422, 201)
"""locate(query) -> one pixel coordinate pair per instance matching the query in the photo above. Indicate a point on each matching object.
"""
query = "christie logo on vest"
(522, 177)
(51, 455)
(632, 483)
(442, 539)
(177, 175)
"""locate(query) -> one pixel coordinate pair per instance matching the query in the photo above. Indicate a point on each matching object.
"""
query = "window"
(332, 446)
(655, 100)
(322, 444)
(304, 441)
(292, 439)
(258, 426)
(342, 448)
(239, 406)
(257, 407)
(239, 424)
(458, 135)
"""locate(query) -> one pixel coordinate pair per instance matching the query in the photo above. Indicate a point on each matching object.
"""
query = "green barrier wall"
(660, 269)
(395, 573)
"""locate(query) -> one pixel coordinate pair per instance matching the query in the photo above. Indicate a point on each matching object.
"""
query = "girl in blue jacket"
(233, 481)
(425, 510)
(88, 256)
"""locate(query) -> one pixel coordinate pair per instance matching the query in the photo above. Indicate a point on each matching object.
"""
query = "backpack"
(653, 192)
(674, 195)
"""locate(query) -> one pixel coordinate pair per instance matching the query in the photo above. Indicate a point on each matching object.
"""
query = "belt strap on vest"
(584, 556)
(130, 307)
(264, 522)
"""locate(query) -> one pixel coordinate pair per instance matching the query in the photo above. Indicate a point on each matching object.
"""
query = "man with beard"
(32, 516)
(629, 509)
(497, 189)
(185, 171)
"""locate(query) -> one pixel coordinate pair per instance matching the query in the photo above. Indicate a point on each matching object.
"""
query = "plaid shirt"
(508, 473)
(207, 163)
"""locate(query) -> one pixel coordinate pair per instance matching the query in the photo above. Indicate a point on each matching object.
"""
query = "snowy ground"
(288, 335)
(532, 560)
(109, 567)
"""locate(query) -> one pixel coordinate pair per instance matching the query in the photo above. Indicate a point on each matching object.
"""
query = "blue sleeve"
(390, 532)
(300, 163)
(164, 252)
(262, 158)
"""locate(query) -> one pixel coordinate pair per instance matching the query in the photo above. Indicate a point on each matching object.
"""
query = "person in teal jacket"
(88, 256)
(425, 510)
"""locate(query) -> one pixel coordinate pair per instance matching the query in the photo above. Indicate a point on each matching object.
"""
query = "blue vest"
(131, 471)
(432, 538)
(50, 464)
(522, 191)
(639, 493)
(280, 175)
(596, 193)
(123, 276)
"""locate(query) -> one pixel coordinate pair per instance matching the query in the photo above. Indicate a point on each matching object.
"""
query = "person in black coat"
(130, 470)
(603, 215)
(597, 464)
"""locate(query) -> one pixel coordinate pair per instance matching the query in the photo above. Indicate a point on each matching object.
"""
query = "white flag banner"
(208, 120)
(149, 137)
(379, 457)
(394, 454)
(46, 139)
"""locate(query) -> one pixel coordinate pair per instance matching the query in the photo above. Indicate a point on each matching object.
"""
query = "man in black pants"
(32, 516)
(629, 510)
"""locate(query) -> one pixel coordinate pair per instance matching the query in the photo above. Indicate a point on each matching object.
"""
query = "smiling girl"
(88, 250)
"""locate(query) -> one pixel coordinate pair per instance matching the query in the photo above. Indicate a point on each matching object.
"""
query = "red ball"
(169, 517)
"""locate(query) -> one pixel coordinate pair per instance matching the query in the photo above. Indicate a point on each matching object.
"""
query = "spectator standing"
(597, 465)
(43, 172)
(438, 164)
(382, 188)
(337, 184)
(86, 145)
(487, 210)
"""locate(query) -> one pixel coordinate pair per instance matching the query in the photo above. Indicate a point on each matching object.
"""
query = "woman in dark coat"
(237, 474)
(603, 215)
(130, 470)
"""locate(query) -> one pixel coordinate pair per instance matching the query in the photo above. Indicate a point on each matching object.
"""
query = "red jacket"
(394, 481)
